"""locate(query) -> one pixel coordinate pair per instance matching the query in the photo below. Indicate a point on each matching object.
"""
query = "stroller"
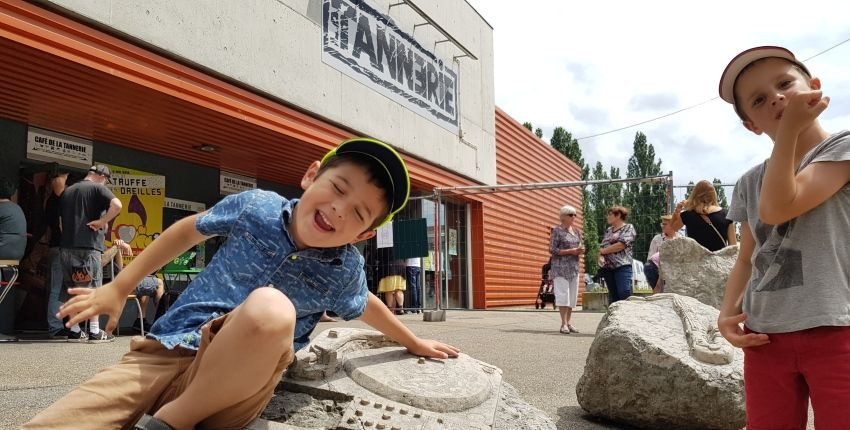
(546, 293)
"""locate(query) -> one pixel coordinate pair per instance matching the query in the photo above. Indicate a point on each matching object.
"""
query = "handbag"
(708, 221)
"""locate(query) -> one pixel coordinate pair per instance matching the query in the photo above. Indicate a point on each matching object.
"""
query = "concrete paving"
(541, 363)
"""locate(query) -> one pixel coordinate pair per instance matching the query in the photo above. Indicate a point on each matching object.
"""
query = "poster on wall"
(231, 183)
(385, 235)
(50, 146)
(369, 47)
(142, 195)
(452, 241)
(428, 262)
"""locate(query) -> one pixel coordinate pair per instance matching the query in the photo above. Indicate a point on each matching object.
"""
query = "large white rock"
(691, 270)
(651, 366)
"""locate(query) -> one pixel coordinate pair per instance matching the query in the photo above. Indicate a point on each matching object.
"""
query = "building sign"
(142, 195)
(184, 205)
(366, 45)
(45, 145)
(231, 183)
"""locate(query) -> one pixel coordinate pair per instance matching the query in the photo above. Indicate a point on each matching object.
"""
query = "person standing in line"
(412, 272)
(615, 254)
(86, 209)
(391, 272)
(565, 246)
(53, 238)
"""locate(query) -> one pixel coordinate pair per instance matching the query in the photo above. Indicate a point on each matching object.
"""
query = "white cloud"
(595, 66)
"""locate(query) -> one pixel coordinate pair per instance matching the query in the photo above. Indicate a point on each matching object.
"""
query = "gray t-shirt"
(801, 269)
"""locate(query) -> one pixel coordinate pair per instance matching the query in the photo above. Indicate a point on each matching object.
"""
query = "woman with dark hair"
(705, 219)
(615, 254)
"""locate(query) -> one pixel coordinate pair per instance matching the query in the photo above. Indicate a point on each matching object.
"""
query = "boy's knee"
(268, 311)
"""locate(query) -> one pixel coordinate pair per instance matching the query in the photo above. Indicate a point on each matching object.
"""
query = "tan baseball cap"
(744, 59)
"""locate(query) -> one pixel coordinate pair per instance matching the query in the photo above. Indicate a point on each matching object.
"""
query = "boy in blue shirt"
(790, 283)
(214, 359)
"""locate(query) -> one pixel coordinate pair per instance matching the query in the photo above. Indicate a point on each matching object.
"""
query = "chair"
(129, 297)
(141, 316)
(12, 266)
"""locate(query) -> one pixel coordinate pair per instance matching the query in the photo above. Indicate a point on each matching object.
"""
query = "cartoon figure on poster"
(143, 197)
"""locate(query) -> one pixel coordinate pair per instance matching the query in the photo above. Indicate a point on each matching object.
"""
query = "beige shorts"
(146, 378)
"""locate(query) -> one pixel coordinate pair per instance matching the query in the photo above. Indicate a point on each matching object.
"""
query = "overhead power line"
(695, 105)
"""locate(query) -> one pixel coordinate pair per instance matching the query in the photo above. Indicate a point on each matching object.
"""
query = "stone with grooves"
(641, 370)
(353, 379)
(691, 270)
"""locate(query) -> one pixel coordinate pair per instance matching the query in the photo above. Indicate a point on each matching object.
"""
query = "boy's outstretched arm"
(786, 194)
(109, 299)
(378, 316)
(731, 315)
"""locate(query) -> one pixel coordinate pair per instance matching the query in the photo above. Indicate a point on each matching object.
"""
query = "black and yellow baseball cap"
(386, 157)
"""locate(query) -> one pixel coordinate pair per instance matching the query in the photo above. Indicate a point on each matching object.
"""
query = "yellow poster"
(142, 195)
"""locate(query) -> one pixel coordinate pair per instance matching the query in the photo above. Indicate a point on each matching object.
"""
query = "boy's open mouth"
(323, 222)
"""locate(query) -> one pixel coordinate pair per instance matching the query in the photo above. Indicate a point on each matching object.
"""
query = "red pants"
(780, 377)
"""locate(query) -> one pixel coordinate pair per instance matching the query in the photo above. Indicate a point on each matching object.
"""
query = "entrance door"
(454, 291)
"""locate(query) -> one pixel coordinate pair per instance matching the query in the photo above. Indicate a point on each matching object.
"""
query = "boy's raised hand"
(433, 349)
(91, 302)
(802, 109)
(730, 328)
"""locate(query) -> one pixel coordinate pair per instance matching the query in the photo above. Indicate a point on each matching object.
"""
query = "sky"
(595, 66)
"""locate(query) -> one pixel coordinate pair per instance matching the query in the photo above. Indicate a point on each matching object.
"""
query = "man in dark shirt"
(86, 209)
(53, 238)
(13, 224)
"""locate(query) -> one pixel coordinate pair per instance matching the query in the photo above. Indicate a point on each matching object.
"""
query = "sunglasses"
(570, 215)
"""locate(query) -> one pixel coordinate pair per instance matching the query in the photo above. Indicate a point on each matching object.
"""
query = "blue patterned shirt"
(259, 252)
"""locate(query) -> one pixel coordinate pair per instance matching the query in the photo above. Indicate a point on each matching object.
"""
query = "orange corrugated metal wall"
(515, 225)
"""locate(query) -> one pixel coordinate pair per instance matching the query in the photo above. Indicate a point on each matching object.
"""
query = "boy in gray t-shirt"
(791, 282)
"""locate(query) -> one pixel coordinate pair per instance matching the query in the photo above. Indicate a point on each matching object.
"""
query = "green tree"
(528, 126)
(539, 132)
(688, 189)
(563, 141)
(603, 196)
(721, 193)
(591, 245)
(646, 201)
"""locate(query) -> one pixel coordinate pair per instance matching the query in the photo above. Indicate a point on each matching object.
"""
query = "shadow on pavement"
(576, 418)
(548, 332)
